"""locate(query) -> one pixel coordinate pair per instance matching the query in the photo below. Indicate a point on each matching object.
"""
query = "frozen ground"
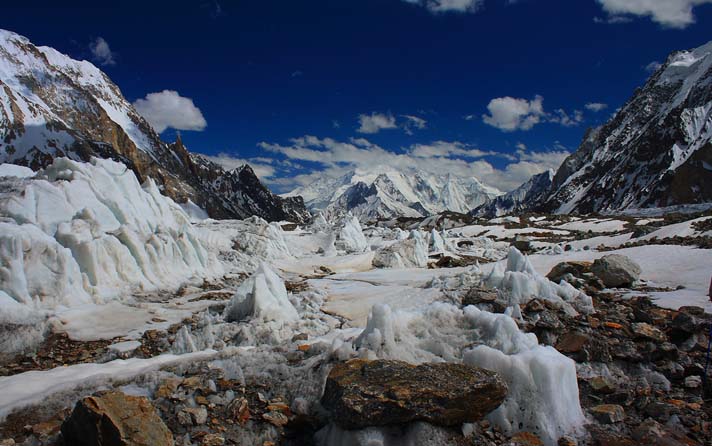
(118, 267)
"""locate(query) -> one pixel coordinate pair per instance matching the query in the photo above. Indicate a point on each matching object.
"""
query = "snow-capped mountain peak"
(386, 192)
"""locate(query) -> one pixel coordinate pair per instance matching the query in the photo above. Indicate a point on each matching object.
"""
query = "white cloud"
(668, 13)
(375, 122)
(509, 114)
(653, 66)
(335, 158)
(261, 166)
(413, 123)
(101, 53)
(560, 116)
(441, 6)
(596, 106)
(169, 109)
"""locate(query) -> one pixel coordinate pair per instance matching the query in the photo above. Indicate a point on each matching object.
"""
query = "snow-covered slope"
(525, 197)
(656, 151)
(53, 106)
(387, 193)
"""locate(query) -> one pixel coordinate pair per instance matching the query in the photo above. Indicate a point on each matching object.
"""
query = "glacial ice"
(263, 296)
(520, 282)
(78, 233)
(351, 238)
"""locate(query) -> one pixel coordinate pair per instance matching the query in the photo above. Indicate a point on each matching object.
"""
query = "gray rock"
(616, 270)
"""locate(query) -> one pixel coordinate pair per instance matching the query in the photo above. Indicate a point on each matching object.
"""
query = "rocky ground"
(640, 372)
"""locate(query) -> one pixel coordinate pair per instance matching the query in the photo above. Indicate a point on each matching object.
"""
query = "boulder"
(576, 269)
(115, 419)
(363, 393)
(616, 270)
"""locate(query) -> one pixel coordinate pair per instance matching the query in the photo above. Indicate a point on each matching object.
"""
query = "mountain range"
(387, 193)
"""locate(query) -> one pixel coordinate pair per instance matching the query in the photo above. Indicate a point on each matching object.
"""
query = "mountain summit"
(388, 193)
(53, 106)
(654, 152)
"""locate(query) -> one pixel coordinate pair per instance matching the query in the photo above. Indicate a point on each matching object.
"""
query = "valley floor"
(219, 373)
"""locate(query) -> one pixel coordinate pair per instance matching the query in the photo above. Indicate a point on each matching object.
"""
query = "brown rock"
(572, 342)
(275, 418)
(477, 295)
(600, 384)
(116, 419)
(167, 388)
(647, 331)
(576, 269)
(526, 439)
(212, 440)
(376, 393)
(608, 413)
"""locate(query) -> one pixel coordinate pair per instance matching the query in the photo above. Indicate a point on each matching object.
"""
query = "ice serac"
(53, 106)
(78, 232)
(386, 192)
(655, 152)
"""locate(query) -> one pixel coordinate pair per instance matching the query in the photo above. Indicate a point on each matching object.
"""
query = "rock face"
(377, 393)
(616, 270)
(115, 419)
(53, 106)
(653, 152)
(526, 196)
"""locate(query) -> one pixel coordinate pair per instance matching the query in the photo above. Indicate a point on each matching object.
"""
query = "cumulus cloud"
(596, 106)
(169, 109)
(509, 114)
(334, 158)
(261, 166)
(101, 53)
(375, 122)
(668, 13)
(442, 6)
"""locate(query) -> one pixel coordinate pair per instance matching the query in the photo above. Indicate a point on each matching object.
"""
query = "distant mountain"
(53, 106)
(656, 151)
(387, 193)
(527, 196)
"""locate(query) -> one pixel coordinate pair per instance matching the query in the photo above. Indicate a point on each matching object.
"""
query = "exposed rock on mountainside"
(388, 193)
(53, 106)
(654, 152)
(526, 196)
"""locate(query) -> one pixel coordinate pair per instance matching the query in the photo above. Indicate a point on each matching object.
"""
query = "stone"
(693, 382)
(608, 413)
(212, 440)
(576, 269)
(477, 295)
(275, 418)
(116, 419)
(199, 415)
(526, 439)
(685, 322)
(572, 342)
(647, 331)
(46, 428)
(567, 441)
(616, 270)
(363, 393)
(523, 244)
(167, 388)
(601, 384)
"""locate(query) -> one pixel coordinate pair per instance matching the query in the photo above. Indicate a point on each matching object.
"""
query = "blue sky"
(499, 89)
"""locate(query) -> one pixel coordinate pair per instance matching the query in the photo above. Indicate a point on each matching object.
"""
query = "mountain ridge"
(54, 106)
